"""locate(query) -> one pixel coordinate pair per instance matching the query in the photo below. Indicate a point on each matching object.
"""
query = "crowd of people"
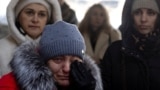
(47, 48)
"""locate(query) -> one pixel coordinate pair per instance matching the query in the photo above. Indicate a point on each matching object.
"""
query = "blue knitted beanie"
(61, 38)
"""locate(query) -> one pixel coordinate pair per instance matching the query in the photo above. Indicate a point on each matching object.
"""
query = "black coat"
(125, 66)
(125, 70)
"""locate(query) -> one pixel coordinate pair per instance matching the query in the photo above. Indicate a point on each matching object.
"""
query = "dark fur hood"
(32, 74)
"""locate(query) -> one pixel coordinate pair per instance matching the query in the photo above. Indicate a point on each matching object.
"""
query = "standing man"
(68, 14)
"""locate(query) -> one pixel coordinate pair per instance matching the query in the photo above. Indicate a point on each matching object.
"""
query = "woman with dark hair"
(68, 14)
(133, 63)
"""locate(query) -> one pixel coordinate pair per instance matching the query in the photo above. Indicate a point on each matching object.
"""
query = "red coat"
(8, 82)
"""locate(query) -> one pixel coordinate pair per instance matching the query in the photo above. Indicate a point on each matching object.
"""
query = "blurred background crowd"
(114, 8)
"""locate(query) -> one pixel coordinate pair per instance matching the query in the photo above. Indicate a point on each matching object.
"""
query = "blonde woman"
(97, 31)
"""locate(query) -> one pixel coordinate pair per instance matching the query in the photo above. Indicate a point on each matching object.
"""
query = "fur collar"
(32, 74)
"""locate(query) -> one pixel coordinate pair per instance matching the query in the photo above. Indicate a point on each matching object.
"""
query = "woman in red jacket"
(58, 62)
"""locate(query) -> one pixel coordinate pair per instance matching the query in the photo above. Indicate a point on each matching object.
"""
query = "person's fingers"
(74, 72)
(78, 71)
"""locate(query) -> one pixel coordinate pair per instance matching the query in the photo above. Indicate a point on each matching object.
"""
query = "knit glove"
(81, 78)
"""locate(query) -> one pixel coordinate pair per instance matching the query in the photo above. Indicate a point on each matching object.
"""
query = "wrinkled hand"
(81, 78)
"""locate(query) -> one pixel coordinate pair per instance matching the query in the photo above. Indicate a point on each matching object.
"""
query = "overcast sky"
(3, 5)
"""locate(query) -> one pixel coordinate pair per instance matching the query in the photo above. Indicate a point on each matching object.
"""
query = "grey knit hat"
(150, 4)
(61, 38)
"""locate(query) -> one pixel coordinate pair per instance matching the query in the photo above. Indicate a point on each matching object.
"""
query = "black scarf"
(145, 44)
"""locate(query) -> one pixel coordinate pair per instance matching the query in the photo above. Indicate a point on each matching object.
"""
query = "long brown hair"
(85, 23)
